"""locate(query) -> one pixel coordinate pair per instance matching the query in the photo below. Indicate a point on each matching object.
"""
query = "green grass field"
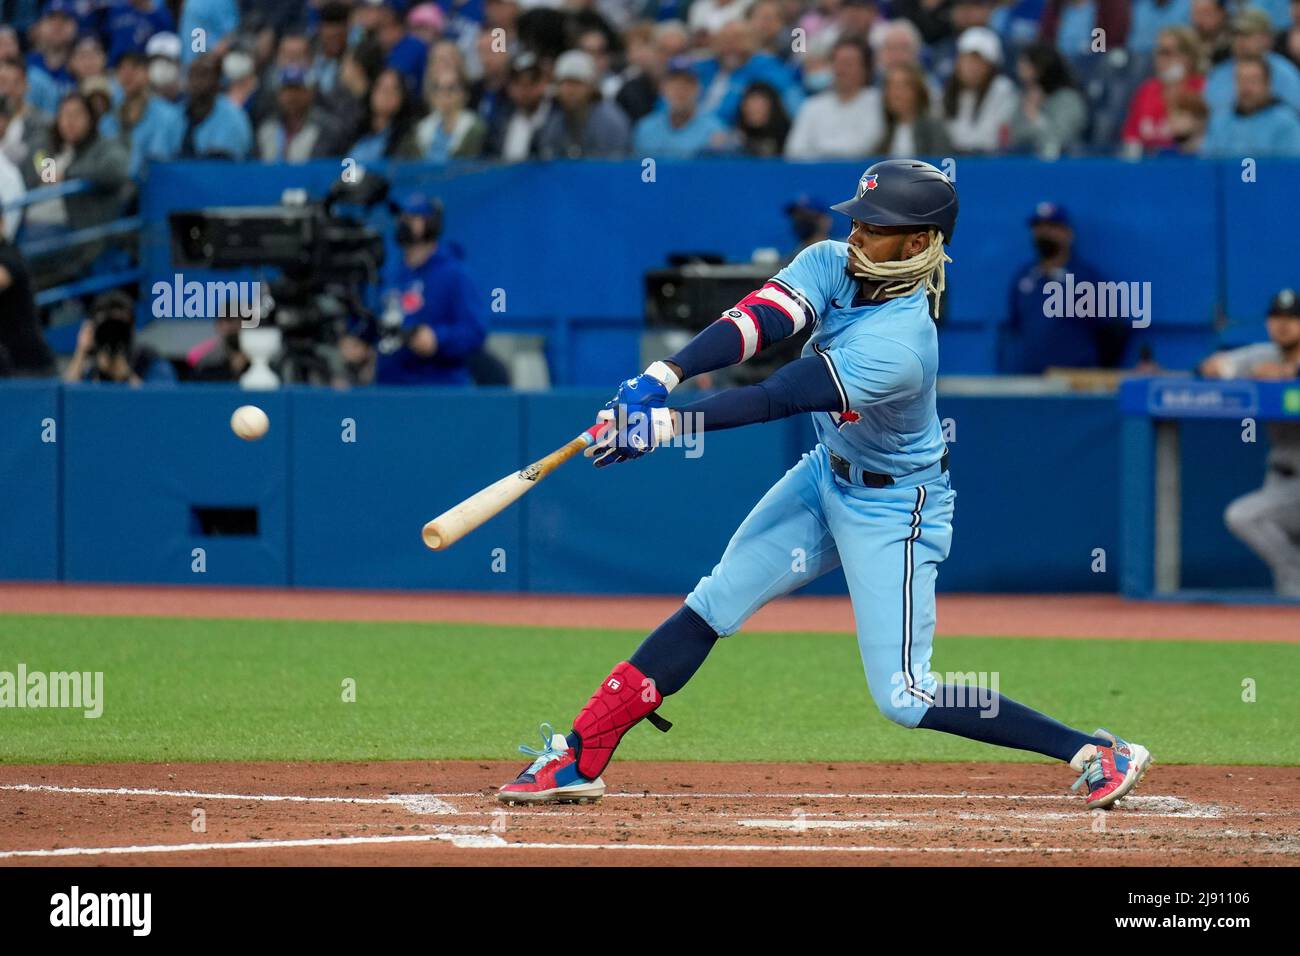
(199, 690)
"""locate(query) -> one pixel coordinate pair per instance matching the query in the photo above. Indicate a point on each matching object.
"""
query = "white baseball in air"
(249, 422)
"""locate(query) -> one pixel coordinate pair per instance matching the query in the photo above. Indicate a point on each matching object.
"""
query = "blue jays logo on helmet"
(904, 192)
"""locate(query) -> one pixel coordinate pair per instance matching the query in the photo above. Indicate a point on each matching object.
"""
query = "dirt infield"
(1018, 615)
(679, 814)
(445, 813)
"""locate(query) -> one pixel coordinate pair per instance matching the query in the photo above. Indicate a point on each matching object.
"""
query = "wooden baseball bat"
(452, 525)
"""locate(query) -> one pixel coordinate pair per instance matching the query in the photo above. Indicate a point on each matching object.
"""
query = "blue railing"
(46, 246)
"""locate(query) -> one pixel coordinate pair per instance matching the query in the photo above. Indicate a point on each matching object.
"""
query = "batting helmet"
(904, 192)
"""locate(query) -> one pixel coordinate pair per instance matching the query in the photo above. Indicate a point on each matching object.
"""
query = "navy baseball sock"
(1013, 724)
(671, 654)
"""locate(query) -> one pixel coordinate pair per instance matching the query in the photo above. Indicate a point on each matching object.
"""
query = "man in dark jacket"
(23, 351)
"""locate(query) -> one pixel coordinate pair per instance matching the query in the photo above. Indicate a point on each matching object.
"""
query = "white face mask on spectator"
(236, 66)
(1173, 73)
(163, 72)
(818, 81)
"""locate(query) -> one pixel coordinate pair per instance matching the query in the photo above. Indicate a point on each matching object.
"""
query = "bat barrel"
(450, 526)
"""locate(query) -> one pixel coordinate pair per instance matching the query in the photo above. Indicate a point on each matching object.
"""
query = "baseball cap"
(167, 45)
(576, 65)
(1286, 303)
(680, 65)
(981, 41)
(525, 63)
(292, 76)
(806, 203)
(335, 12)
(416, 204)
(237, 65)
(1252, 20)
(65, 7)
(426, 15)
(1049, 212)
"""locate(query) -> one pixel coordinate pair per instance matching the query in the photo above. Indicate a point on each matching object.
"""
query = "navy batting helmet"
(904, 192)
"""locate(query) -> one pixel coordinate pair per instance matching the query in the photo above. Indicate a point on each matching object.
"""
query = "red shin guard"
(626, 697)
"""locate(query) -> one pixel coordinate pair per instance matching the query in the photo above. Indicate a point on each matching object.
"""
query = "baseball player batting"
(873, 497)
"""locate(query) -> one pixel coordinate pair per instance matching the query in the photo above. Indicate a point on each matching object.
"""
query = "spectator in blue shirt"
(151, 127)
(218, 19)
(432, 314)
(215, 127)
(1252, 36)
(735, 66)
(130, 23)
(402, 52)
(1033, 338)
(678, 129)
(48, 76)
(1260, 124)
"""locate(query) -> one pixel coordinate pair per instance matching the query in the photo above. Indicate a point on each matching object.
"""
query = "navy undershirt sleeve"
(804, 385)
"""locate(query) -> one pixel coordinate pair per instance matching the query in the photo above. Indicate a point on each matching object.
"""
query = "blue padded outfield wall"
(113, 497)
(568, 243)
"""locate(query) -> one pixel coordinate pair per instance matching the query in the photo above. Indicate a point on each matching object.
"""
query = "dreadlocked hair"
(903, 277)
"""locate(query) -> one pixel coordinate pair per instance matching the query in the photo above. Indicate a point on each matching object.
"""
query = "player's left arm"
(804, 385)
(833, 380)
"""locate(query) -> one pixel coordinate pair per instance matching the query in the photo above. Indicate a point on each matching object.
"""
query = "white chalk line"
(489, 841)
(437, 804)
(1134, 800)
(799, 826)
(456, 839)
(414, 802)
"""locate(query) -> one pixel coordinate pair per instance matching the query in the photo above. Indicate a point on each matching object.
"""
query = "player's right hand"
(633, 431)
(635, 427)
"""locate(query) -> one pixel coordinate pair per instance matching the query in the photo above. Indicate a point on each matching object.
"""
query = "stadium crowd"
(112, 84)
(95, 90)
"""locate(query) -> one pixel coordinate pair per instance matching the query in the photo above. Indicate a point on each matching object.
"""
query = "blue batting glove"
(638, 416)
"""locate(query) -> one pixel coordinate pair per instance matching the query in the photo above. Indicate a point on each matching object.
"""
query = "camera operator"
(218, 359)
(432, 319)
(106, 349)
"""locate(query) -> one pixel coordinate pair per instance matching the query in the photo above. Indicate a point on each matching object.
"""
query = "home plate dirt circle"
(446, 813)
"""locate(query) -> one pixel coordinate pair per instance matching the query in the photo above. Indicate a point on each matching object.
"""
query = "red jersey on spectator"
(1148, 119)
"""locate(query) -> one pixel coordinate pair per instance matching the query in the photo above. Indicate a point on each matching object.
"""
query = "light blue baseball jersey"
(889, 541)
(884, 358)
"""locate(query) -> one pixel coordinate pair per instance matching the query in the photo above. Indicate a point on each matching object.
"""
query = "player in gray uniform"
(1268, 520)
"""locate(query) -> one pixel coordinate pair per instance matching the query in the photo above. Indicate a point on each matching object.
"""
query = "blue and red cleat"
(552, 777)
(1111, 772)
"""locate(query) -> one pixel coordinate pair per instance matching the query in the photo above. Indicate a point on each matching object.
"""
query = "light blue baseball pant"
(889, 541)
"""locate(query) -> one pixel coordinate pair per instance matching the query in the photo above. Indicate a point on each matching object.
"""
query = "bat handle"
(592, 434)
